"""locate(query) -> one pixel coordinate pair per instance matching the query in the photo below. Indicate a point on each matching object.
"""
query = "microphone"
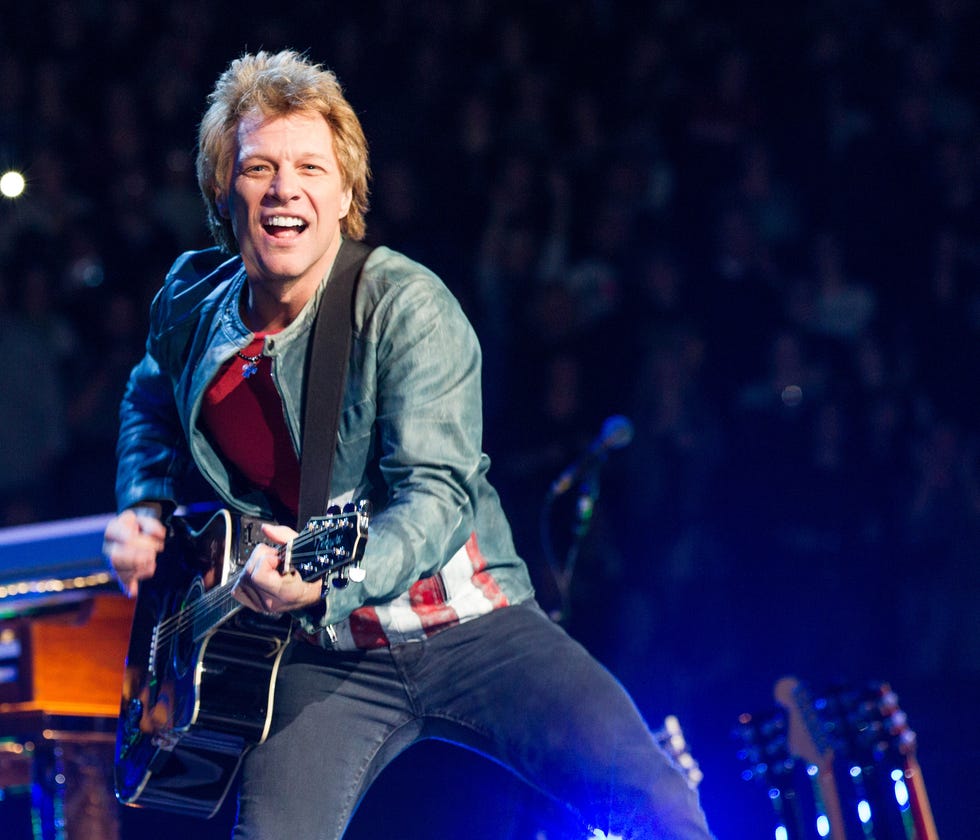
(616, 432)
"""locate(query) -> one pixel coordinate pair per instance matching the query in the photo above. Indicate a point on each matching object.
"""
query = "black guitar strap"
(326, 374)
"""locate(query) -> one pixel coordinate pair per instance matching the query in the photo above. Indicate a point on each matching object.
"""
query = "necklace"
(251, 366)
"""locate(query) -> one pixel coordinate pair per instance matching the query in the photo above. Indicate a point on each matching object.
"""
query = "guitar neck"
(793, 697)
(925, 825)
(902, 735)
(219, 604)
(305, 554)
(831, 802)
(329, 545)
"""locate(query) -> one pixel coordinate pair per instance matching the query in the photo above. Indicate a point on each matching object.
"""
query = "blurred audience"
(755, 230)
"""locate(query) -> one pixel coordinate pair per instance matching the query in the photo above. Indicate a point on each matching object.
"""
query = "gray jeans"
(512, 685)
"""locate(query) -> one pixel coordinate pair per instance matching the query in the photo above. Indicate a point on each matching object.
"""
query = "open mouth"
(284, 226)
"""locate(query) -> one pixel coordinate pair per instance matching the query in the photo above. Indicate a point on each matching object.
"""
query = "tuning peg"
(356, 574)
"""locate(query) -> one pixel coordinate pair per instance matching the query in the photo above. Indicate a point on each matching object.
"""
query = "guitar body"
(194, 698)
(201, 669)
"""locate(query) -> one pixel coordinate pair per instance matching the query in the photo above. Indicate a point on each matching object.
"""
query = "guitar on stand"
(887, 741)
(764, 752)
(841, 764)
(922, 819)
(201, 668)
(805, 740)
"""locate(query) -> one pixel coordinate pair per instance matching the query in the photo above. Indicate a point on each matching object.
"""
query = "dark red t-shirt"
(243, 416)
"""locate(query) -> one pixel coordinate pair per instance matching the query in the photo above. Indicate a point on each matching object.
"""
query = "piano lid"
(50, 564)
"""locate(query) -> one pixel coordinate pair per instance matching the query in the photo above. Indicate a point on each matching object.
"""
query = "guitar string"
(213, 603)
(212, 600)
(215, 599)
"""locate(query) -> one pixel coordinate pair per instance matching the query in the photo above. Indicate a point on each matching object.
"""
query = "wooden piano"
(64, 629)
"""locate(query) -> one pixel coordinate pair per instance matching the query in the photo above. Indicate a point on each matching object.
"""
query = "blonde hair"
(277, 84)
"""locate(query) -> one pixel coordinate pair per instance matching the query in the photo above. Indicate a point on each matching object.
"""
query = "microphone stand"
(588, 495)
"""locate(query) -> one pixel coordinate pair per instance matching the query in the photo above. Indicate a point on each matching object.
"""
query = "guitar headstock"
(895, 719)
(672, 739)
(881, 725)
(763, 748)
(333, 543)
(807, 736)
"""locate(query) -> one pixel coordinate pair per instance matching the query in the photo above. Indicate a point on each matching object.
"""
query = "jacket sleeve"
(153, 459)
(428, 426)
(151, 449)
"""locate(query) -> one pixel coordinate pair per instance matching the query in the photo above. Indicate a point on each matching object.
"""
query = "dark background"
(750, 227)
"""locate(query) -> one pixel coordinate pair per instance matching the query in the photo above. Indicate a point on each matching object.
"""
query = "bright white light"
(781, 833)
(897, 775)
(823, 826)
(11, 184)
(855, 772)
(901, 794)
(599, 834)
(864, 812)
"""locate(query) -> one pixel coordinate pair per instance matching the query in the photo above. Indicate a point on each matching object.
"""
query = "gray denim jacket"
(410, 428)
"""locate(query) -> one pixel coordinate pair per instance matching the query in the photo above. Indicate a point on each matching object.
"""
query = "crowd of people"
(752, 229)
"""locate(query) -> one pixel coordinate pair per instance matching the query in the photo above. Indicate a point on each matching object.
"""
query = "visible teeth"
(285, 221)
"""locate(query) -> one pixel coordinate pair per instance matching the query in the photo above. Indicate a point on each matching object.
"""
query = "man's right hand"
(131, 543)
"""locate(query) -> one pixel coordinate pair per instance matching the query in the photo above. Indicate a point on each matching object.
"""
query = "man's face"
(286, 197)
